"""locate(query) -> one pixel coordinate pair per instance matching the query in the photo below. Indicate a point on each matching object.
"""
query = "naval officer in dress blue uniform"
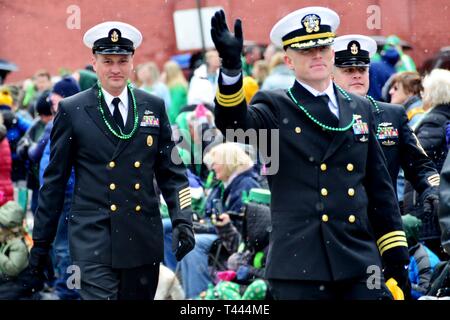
(118, 139)
(334, 212)
(399, 143)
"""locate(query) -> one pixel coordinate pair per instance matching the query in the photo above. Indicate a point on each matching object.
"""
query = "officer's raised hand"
(228, 45)
(183, 240)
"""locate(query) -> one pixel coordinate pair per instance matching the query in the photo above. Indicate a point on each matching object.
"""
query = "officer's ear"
(288, 61)
(94, 62)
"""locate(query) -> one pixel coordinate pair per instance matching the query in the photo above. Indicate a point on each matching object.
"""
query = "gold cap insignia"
(114, 36)
(354, 49)
(311, 22)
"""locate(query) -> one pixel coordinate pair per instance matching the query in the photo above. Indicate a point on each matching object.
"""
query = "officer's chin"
(358, 89)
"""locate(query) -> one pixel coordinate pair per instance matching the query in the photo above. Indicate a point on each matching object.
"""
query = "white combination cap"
(306, 28)
(113, 37)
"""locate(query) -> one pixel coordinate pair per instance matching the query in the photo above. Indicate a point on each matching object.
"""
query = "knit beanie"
(43, 104)
(66, 87)
(6, 98)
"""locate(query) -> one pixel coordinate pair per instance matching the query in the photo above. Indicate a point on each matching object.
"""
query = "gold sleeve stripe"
(230, 100)
(183, 191)
(393, 245)
(185, 201)
(186, 196)
(434, 180)
(184, 205)
(308, 37)
(389, 235)
(390, 240)
(231, 96)
(435, 183)
(230, 103)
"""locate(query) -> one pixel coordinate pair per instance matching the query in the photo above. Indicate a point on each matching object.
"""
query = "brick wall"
(34, 34)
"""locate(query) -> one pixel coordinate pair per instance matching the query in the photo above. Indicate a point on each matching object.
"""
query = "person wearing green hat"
(422, 259)
(406, 63)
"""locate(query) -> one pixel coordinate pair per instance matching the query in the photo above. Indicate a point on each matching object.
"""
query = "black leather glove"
(400, 274)
(39, 270)
(228, 45)
(183, 240)
(430, 200)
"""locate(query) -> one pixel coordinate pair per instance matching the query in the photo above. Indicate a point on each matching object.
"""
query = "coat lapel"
(378, 115)
(346, 111)
(95, 115)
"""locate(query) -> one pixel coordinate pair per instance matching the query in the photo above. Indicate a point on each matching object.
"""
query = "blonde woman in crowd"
(176, 82)
(433, 133)
(149, 77)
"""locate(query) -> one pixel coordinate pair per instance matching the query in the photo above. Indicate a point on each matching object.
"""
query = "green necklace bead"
(119, 134)
(377, 109)
(320, 124)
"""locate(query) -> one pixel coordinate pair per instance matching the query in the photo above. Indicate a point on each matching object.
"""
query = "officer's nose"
(317, 52)
(356, 75)
(115, 68)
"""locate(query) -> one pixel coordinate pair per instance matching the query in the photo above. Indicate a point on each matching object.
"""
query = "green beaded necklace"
(119, 135)
(377, 109)
(320, 124)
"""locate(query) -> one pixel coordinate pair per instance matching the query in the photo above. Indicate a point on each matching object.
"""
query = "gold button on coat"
(350, 167)
(113, 207)
(137, 164)
(112, 164)
(298, 129)
(149, 141)
(324, 192)
(323, 167)
(351, 192)
(137, 186)
(351, 218)
(138, 208)
(324, 218)
(112, 186)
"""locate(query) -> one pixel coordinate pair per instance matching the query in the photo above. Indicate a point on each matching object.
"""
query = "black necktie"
(325, 99)
(327, 116)
(116, 114)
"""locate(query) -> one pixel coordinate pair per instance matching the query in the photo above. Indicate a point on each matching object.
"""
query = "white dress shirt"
(329, 91)
(123, 105)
